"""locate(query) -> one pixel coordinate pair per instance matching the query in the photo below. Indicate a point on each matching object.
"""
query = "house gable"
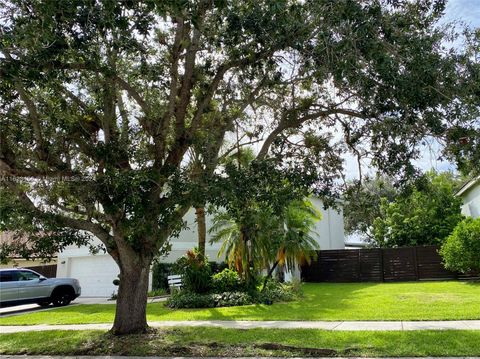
(470, 194)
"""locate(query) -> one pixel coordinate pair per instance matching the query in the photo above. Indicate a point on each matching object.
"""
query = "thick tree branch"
(286, 123)
(33, 115)
(161, 132)
(80, 103)
(133, 93)
(124, 137)
(189, 67)
(65, 221)
(10, 169)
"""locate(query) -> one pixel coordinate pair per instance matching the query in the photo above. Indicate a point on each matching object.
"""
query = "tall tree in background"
(427, 214)
(363, 201)
(101, 102)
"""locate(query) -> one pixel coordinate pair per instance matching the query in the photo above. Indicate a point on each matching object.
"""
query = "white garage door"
(95, 273)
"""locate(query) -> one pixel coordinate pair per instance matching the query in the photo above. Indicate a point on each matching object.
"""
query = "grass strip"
(449, 300)
(253, 342)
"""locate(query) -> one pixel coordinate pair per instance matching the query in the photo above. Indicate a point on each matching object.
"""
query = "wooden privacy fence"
(377, 265)
(47, 270)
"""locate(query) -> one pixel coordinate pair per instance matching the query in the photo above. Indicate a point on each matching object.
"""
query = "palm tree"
(295, 244)
(242, 238)
(265, 239)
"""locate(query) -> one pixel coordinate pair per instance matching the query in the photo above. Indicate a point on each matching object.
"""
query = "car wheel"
(61, 298)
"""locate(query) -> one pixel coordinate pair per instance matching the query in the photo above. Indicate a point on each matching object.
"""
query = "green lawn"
(356, 301)
(254, 342)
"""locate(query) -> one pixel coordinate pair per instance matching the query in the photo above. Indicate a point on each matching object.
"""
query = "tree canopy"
(363, 202)
(425, 214)
(102, 103)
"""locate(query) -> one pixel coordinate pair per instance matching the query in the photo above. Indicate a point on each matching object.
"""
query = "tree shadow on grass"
(353, 301)
(318, 303)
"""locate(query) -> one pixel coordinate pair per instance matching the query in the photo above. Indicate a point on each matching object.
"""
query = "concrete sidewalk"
(337, 325)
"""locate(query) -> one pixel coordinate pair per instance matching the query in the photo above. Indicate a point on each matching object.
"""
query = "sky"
(467, 11)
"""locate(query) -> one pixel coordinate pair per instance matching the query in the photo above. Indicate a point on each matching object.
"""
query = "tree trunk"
(269, 275)
(202, 229)
(131, 310)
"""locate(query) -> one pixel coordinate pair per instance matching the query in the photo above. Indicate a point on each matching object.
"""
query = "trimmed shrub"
(226, 281)
(184, 299)
(230, 299)
(278, 292)
(461, 251)
(196, 272)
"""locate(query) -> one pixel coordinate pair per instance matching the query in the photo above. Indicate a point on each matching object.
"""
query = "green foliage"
(278, 238)
(226, 281)
(217, 267)
(464, 141)
(160, 273)
(252, 201)
(461, 250)
(275, 291)
(294, 242)
(425, 215)
(195, 271)
(187, 299)
(100, 104)
(363, 203)
(231, 299)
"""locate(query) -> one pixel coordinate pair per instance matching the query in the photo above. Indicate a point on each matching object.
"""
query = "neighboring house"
(470, 194)
(97, 272)
(39, 264)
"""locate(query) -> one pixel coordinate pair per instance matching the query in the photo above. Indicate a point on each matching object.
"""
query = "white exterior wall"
(97, 272)
(330, 232)
(188, 239)
(471, 201)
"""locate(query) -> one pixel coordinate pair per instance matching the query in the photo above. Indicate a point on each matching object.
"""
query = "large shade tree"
(101, 102)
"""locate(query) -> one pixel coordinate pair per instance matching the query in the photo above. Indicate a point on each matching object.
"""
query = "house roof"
(468, 185)
(9, 238)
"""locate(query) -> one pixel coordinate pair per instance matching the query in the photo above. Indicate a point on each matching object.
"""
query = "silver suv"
(24, 286)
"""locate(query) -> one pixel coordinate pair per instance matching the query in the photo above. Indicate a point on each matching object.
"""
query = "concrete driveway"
(29, 308)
